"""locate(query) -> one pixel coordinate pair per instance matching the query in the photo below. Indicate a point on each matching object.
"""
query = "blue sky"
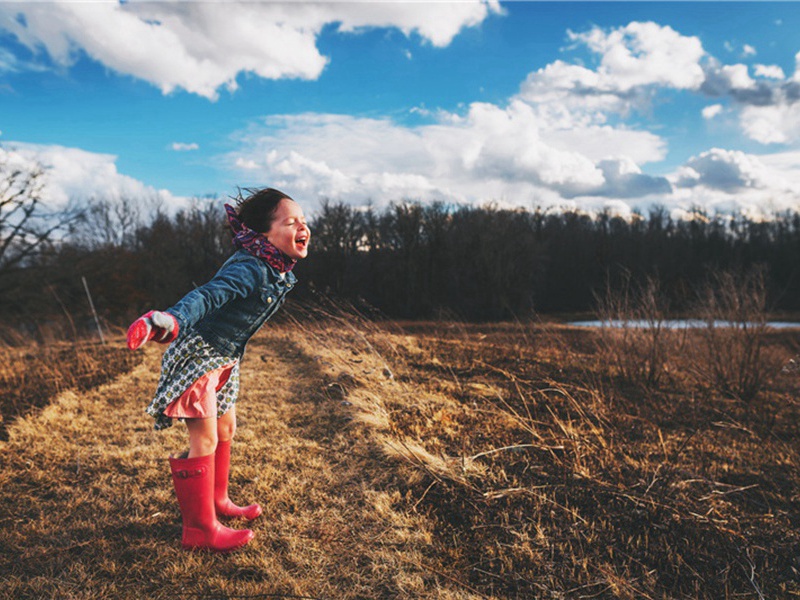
(595, 105)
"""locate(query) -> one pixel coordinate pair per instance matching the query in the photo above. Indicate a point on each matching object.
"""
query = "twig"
(752, 576)
(517, 447)
(718, 493)
(425, 493)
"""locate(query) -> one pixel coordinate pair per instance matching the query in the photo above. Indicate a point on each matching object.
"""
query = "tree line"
(485, 263)
(407, 260)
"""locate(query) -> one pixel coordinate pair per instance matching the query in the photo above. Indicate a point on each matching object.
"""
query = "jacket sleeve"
(232, 281)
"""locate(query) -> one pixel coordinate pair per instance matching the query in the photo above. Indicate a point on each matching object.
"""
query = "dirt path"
(87, 508)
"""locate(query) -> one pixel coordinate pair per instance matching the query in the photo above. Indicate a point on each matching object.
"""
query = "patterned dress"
(184, 362)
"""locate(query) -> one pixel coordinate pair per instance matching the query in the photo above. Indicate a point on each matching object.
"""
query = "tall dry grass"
(420, 460)
(636, 339)
(31, 374)
(736, 360)
(547, 478)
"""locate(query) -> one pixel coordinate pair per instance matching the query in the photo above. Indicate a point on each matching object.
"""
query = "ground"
(416, 461)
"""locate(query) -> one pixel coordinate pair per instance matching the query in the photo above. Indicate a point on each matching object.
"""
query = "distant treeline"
(409, 260)
(487, 263)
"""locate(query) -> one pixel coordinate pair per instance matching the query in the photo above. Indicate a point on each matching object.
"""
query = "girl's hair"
(257, 209)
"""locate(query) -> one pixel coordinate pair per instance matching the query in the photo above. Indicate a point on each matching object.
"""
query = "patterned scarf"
(257, 243)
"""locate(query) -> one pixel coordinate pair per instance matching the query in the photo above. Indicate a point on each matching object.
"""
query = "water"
(677, 324)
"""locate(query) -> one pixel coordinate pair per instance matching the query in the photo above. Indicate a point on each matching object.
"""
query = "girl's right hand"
(155, 325)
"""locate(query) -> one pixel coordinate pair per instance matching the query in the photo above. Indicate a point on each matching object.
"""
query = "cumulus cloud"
(498, 154)
(183, 147)
(777, 124)
(643, 54)
(560, 142)
(726, 170)
(735, 80)
(632, 62)
(769, 71)
(72, 174)
(552, 144)
(624, 179)
(201, 47)
(635, 62)
(732, 181)
(489, 153)
(709, 112)
(769, 108)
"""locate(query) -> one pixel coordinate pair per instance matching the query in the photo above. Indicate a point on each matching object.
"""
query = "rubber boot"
(194, 487)
(222, 464)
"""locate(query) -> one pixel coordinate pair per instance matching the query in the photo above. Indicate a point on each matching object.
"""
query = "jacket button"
(269, 300)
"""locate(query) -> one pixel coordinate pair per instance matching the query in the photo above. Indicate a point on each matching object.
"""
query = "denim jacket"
(230, 308)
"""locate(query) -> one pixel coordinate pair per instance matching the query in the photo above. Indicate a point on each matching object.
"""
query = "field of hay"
(415, 461)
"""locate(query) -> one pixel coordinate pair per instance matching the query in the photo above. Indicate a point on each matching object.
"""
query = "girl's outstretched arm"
(236, 279)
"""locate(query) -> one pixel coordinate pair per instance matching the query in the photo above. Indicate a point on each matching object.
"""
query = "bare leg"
(194, 480)
(202, 436)
(226, 428)
(226, 425)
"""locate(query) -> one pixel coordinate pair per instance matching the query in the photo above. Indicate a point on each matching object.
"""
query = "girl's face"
(289, 232)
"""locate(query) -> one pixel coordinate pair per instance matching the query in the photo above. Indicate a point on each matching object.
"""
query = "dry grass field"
(419, 461)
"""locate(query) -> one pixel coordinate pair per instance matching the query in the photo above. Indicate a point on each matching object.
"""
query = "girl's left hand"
(155, 325)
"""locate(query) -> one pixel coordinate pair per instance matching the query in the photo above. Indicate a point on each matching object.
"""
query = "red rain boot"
(194, 487)
(222, 462)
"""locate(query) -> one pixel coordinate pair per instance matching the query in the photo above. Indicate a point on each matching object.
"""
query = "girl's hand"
(155, 325)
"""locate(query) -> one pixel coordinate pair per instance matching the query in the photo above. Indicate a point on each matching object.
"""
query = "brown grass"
(31, 375)
(419, 460)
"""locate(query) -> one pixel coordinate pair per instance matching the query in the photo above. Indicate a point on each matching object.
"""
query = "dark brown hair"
(257, 208)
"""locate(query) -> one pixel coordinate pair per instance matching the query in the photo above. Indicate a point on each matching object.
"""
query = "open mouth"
(302, 242)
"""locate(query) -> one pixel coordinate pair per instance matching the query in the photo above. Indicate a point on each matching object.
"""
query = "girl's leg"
(194, 480)
(226, 425)
(202, 436)
(226, 428)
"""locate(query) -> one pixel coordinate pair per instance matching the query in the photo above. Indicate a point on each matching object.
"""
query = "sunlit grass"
(420, 460)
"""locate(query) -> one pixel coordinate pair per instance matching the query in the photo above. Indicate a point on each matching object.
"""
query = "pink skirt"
(199, 401)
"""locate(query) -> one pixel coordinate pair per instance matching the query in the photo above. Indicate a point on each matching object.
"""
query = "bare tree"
(26, 223)
(113, 221)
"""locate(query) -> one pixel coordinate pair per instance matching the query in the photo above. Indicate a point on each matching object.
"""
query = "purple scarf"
(257, 243)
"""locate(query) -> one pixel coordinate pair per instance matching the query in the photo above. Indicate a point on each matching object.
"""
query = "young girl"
(210, 327)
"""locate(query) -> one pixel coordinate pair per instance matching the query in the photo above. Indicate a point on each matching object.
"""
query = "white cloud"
(644, 54)
(726, 170)
(733, 182)
(748, 50)
(559, 142)
(183, 147)
(633, 61)
(777, 124)
(552, 144)
(709, 112)
(489, 153)
(721, 80)
(437, 22)
(737, 76)
(72, 174)
(507, 155)
(769, 71)
(768, 108)
(200, 47)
